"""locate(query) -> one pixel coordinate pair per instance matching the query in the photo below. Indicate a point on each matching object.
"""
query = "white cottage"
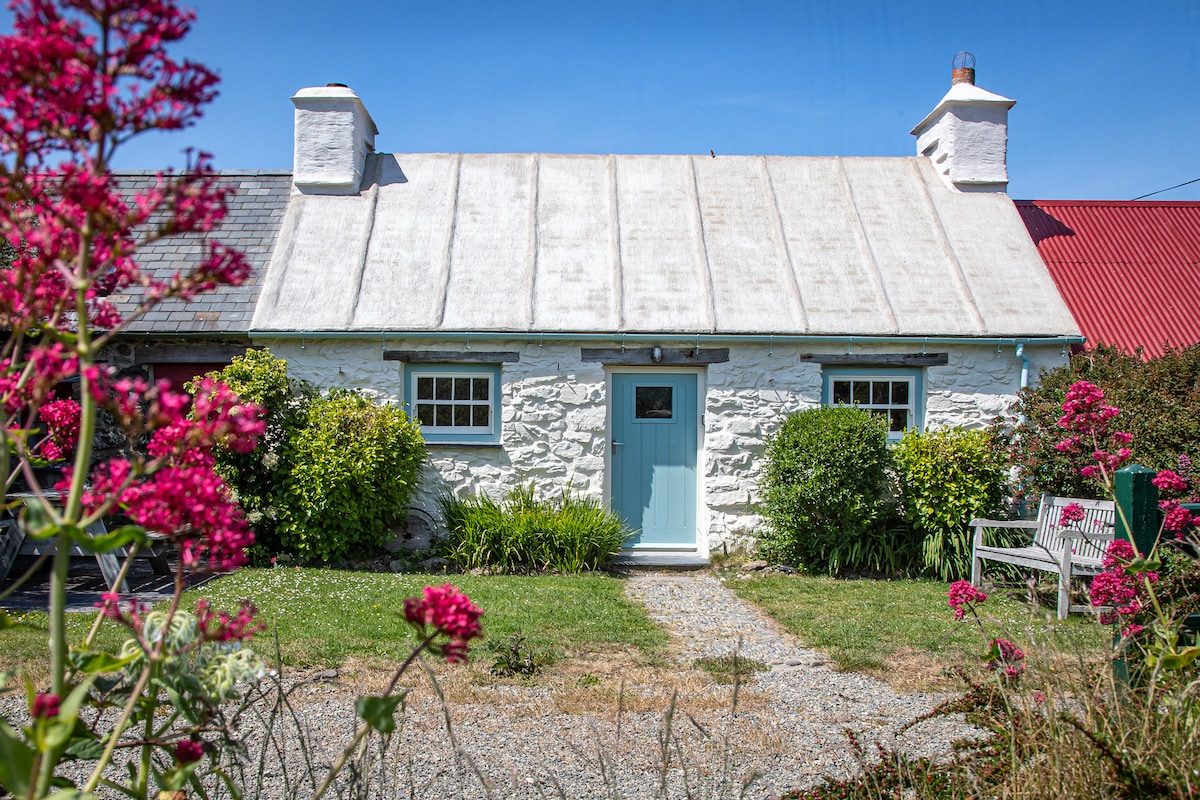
(635, 327)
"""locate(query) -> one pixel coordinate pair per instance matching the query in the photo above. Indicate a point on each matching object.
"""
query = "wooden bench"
(1076, 548)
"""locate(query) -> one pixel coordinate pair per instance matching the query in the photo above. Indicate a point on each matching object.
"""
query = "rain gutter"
(699, 338)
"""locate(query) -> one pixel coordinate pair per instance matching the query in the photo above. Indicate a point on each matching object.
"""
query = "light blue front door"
(654, 439)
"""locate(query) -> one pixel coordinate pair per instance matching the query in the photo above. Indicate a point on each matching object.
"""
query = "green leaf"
(16, 762)
(1142, 565)
(91, 663)
(37, 522)
(6, 621)
(1181, 660)
(87, 748)
(380, 712)
(121, 537)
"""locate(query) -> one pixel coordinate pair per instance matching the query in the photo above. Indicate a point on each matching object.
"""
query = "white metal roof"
(657, 244)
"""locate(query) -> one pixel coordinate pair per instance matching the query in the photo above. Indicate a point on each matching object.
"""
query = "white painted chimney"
(334, 135)
(966, 135)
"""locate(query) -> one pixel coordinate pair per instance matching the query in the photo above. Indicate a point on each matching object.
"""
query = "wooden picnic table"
(14, 542)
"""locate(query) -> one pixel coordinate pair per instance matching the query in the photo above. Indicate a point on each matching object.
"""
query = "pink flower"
(1169, 481)
(448, 611)
(62, 420)
(1119, 552)
(1072, 512)
(1116, 588)
(45, 706)
(963, 595)
(1007, 656)
(1176, 518)
(224, 627)
(187, 751)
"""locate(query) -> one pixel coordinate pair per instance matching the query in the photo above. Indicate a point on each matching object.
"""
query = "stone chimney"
(334, 135)
(966, 135)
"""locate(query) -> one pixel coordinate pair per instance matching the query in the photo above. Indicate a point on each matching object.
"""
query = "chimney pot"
(963, 70)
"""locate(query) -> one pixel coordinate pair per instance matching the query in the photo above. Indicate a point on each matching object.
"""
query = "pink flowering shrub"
(1089, 422)
(79, 79)
(964, 597)
(445, 611)
(1006, 658)
(1117, 589)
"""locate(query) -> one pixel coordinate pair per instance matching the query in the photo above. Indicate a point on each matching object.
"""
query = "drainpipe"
(1024, 365)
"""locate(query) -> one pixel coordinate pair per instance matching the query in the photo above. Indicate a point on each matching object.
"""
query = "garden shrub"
(947, 477)
(259, 377)
(523, 534)
(825, 493)
(354, 469)
(1160, 406)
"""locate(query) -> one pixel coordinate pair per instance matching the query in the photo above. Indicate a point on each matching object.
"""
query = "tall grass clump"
(523, 534)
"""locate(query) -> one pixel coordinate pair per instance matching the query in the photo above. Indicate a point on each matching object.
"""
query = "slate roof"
(251, 225)
(1128, 270)
(658, 244)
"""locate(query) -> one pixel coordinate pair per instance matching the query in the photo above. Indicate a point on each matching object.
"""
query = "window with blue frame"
(893, 394)
(455, 403)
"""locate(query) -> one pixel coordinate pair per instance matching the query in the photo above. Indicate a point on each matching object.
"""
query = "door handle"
(615, 445)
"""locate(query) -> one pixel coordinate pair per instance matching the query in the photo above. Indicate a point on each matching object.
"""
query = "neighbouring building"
(1129, 271)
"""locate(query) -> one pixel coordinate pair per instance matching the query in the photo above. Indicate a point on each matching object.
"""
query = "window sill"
(433, 443)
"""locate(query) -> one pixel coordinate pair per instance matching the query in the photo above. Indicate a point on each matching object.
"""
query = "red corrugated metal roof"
(1129, 271)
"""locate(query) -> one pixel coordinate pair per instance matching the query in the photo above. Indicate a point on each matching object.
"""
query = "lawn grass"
(870, 626)
(324, 617)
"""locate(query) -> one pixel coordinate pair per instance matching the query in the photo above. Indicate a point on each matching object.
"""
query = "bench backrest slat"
(1098, 517)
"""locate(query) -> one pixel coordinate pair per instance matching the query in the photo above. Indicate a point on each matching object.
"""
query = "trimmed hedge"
(332, 476)
(355, 466)
(825, 493)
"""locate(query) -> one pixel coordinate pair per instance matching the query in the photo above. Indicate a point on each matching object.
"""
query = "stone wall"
(555, 419)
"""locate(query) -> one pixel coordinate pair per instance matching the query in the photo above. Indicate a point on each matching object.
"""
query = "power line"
(1169, 188)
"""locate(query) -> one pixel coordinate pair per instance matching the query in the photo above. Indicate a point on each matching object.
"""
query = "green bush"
(258, 377)
(947, 477)
(825, 493)
(523, 534)
(354, 469)
(1159, 402)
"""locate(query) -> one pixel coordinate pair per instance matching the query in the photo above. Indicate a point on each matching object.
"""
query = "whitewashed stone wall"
(554, 419)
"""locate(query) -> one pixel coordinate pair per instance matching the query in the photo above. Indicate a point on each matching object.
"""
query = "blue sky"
(1108, 93)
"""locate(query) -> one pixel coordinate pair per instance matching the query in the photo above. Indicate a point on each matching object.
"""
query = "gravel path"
(564, 738)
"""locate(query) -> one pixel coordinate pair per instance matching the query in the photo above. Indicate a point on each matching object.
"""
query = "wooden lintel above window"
(189, 353)
(644, 356)
(879, 359)
(452, 356)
